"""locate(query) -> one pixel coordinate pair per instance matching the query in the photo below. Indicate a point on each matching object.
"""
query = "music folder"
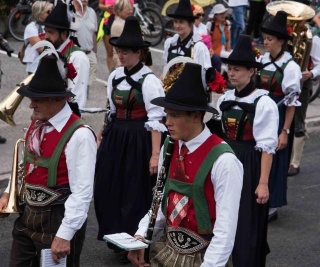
(125, 241)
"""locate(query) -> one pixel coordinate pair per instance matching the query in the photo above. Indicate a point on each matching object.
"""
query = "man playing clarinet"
(199, 209)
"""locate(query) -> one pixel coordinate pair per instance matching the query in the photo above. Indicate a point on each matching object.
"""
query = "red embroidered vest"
(40, 174)
(193, 162)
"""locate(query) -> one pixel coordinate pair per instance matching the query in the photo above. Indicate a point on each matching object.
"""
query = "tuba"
(301, 36)
(17, 182)
(9, 105)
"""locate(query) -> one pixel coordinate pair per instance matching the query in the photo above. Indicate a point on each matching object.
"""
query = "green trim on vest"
(71, 50)
(277, 74)
(196, 189)
(52, 163)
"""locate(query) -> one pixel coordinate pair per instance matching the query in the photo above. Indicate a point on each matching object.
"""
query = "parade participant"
(57, 27)
(300, 112)
(85, 24)
(185, 42)
(60, 154)
(200, 204)
(281, 76)
(34, 33)
(128, 155)
(220, 35)
(250, 123)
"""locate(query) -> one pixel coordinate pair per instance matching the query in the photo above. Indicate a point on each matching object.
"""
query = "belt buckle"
(40, 196)
(185, 241)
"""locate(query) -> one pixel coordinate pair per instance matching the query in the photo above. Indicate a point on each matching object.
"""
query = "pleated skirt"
(123, 185)
(250, 248)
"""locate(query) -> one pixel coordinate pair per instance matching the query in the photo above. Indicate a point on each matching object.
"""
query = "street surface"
(294, 238)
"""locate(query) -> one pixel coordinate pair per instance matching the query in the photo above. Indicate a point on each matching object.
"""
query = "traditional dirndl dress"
(247, 130)
(273, 79)
(123, 185)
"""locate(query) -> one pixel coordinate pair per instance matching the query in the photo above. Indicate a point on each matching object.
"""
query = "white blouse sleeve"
(291, 82)
(265, 125)
(151, 89)
(109, 92)
(166, 49)
(315, 56)
(202, 55)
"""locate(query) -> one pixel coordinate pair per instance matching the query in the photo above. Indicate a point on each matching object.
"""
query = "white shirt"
(81, 159)
(266, 118)
(291, 74)
(201, 52)
(85, 26)
(32, 30)
(151, 88)
(227, 178)
(79, 84)
(315, 56)
(233, 3)
(201, 29)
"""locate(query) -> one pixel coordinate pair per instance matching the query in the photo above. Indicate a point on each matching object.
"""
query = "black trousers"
(35, 229)
(257, 10)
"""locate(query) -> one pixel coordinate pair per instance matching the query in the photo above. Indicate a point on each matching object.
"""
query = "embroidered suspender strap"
(195, 190)
(279, 70)
(54, 160)
(200, 205)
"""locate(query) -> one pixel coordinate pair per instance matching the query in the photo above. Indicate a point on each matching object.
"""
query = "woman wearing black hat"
(280, 75)
(128, 154)
(250, 122)
(184, 42)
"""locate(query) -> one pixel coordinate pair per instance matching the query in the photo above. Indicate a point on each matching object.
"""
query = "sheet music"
(47, 261)
(125, 241)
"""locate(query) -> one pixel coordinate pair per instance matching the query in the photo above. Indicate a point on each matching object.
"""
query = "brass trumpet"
(10, 103)
(17, 182)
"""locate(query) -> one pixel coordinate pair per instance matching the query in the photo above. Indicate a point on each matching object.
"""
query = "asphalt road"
(293, 238)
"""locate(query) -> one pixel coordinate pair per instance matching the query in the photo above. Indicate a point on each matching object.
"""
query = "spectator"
(122, 10)
(220, 35)
(34, 33)
(239, 8)
(86, 25)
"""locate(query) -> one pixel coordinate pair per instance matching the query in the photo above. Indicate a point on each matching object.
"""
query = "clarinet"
(157, 197)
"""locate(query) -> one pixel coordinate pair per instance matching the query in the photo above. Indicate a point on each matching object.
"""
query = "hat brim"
(277, 34)
(55, 26)
(175, 16)
(27, 91)
(114, 42)
(249, 64)
(165, 103)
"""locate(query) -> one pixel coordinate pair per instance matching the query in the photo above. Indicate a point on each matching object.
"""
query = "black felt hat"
(242, 54)
(183, 11)
(46, 82)
(58, 18)
(187, 93)
(131, 36)
(278, 26)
